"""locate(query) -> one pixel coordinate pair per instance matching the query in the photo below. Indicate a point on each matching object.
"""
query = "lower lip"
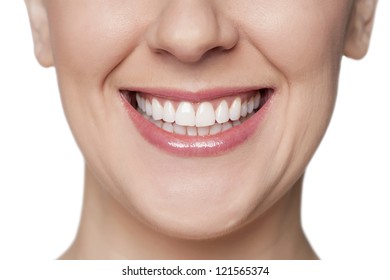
(197, 146)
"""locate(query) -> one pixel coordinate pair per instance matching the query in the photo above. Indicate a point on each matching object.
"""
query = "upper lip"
(193, 96)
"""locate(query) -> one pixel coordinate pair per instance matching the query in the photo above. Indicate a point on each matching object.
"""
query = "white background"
(346, 200)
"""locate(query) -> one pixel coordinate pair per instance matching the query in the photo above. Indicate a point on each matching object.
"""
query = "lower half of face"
(198, 115)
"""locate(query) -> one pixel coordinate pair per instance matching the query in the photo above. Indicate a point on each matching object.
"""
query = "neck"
(108, 231)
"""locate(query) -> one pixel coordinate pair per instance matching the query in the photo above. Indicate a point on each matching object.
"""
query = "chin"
(193, 212)
(196, 226)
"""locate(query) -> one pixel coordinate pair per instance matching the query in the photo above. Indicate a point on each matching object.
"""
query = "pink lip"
(194, 146)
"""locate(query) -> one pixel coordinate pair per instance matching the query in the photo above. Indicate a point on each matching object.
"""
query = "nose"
(190, 29)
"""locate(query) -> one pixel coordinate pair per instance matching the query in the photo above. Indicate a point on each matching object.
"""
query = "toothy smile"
(202, 118)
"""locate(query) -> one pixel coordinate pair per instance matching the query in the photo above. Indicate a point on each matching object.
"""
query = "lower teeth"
(193, 130)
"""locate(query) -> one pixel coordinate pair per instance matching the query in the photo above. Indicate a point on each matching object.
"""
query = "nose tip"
(190, 46)
(188, 30)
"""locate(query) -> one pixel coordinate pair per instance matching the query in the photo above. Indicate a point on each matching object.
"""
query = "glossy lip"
(195, 146)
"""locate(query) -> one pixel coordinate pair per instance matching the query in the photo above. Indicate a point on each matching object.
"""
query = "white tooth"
(178, 129)
(191, 131)
(257, 101)
(169, 112)
(158, 123)
(235, 109)
(216, 128)
(236, 123)
(203, 131)
(251, 104)
(148, 108)
(138, 98)
(157, 109)
(222, 112)
(185, 114)
(167, 127)
(205, 115)
(143, 106)
(227, 126)
(244, 109)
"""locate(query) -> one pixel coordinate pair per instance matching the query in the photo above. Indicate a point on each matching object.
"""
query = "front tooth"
(244, 109)
(257, 101)
(235, 109)
(191, 131)
(222, 112)
(205, 115)
(157, 109)
(216, 128)
(167, 127)
(203, 131)
(178, 129)
(236, 123)
(169, 112)
(185, 114)
(148, 107)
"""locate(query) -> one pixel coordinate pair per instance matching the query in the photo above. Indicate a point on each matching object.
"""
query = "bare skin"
(144, 202)
(277, 234)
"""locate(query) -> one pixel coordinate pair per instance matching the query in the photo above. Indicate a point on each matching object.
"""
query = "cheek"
(299, 37)
(90, 38)
(304, 41)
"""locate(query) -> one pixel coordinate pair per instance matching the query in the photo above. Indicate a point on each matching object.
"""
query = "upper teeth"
(204, 116)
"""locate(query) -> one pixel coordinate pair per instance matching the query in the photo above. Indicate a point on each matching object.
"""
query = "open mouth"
(203, 124)
(205, 118)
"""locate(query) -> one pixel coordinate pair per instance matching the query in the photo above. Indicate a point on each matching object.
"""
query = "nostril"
(161, 51)
(217, 50)
(190, 30)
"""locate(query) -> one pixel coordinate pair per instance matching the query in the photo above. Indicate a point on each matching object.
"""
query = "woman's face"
(279, 58)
